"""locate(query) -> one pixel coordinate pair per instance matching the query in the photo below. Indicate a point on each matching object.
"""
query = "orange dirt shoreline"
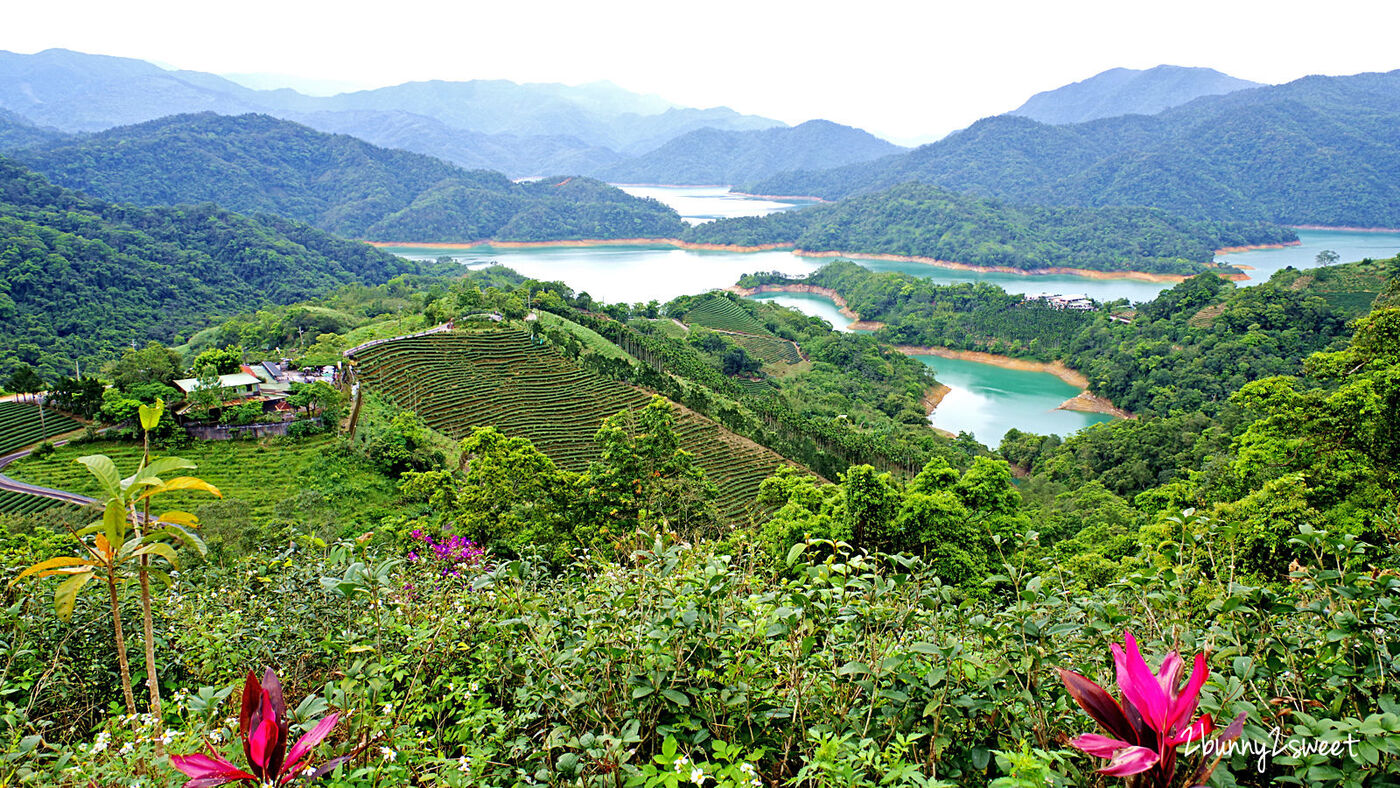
(1087, 273)
(1256, 247)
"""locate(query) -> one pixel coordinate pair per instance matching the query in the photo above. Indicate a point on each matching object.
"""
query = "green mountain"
(1320, 150)
(81, 278)
(926, 221)
(17, 132)
(255, 163)
(714, 156)
(1128, 91)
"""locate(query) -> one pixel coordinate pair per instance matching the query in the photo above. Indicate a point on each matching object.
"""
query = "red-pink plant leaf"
(1169, 674)
(273, 688)
(1097, 703)
(1098, 746)
(207, 770)
(252, 693)
(328, 767)
(1184, 705)
(1196, 732)
(308, 742)
(1231, 732)
(1129, 761)
(1139, 684)
(260, 746)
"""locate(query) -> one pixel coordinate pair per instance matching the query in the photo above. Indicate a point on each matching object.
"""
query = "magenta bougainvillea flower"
(1153, 719)
(263, 727)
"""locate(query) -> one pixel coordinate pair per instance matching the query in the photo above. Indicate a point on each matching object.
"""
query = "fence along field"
(501, 377)
(19, 425)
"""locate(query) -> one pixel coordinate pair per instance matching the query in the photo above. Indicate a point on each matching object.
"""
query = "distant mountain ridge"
(519, 129)
(340, 184)
(1126, 91)
(1319, 150)
(714, 157)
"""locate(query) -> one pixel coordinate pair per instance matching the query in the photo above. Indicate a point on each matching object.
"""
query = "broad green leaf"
(161, 467)
(66, 594)
(179, 518)
(180, 534)
(114, 522)
(161, 549)
(181, 483)
(150, 414)
(101, 466)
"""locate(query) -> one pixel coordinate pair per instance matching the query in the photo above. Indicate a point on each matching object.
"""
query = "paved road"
(6, 483)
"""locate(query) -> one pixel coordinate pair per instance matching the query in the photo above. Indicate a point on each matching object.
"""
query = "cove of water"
(809, 304)
(987, 400)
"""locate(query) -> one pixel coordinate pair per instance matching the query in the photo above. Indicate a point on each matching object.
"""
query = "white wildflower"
(697, 775)
(681, 763)
(388, 754)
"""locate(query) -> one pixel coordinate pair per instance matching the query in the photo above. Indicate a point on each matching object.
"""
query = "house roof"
(225, 381)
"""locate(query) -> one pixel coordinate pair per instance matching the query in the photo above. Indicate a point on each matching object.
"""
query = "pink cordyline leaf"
(1097, 703)
(207, 771)
(1184, 705)
(1140, 686)
(1098, 746)
(1195, 732)
(308, 742)
(1129, 761)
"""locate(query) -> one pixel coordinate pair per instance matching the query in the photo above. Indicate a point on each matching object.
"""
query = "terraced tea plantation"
(500, 377)
(23, 503)
(768, 349)
(19, 425)
(722, 314)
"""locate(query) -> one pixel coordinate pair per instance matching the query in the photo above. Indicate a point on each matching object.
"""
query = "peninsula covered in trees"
(919, 220)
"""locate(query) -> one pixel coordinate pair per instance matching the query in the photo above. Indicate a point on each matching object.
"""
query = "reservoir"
(984, 400)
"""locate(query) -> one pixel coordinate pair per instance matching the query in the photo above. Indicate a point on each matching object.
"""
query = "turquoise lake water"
(985, 400)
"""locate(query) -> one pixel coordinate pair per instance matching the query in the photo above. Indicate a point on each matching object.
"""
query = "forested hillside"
(715, 156)
(927, 221)
(81, 278)
(337, 183)
(1320, 150)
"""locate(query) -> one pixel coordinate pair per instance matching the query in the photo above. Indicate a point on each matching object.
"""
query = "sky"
(909, 71)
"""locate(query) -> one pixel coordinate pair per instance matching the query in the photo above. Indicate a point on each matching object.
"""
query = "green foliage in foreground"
(837, 670)
(787, 646)
(926, 221)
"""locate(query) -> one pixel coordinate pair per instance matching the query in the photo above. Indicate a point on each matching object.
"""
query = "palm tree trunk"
(121, 644)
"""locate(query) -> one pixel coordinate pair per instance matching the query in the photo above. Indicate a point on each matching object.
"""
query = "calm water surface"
(985, 400)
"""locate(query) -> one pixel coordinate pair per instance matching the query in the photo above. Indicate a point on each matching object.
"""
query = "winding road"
(14, 485)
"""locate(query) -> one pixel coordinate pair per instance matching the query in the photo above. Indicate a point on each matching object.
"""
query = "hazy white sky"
(905, 70)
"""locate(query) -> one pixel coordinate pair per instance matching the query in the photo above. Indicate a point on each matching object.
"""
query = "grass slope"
(270, 479)
(500, 377)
